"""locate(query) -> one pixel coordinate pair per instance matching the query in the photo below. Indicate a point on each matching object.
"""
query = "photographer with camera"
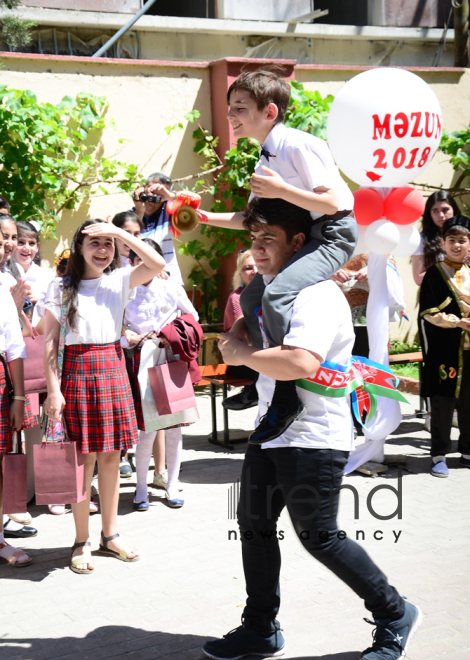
(150, 205)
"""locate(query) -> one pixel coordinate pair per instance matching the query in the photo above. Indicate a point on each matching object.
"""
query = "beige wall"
(142, 101)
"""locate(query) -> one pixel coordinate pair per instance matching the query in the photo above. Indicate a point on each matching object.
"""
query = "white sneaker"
(160, 479)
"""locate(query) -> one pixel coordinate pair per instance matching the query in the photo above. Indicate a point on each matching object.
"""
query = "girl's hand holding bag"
(59, 468)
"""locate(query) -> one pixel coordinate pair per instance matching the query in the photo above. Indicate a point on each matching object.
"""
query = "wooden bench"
(409, 358)
(216, 375)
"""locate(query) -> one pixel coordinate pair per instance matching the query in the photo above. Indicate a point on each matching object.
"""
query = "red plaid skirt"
(133, 371)
(99, 412)
(6, 434)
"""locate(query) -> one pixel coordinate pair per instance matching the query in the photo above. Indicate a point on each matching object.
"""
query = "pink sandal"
(14, 556)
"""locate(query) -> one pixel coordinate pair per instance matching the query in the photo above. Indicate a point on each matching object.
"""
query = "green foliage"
(456, 145)
(307, 111)
(9, 4)
(398, 347)
(406, 370)
(51, 156)
(16, 32)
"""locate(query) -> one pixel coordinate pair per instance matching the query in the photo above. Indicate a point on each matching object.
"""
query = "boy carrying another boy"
(303, 468)
(444, 307)
(298, 168)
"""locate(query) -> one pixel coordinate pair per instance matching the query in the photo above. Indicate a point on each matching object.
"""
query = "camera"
(144, 197)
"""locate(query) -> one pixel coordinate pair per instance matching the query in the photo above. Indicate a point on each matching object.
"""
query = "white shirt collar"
(275, 135)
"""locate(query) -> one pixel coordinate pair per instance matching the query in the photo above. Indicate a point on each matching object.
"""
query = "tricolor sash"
(362, 378)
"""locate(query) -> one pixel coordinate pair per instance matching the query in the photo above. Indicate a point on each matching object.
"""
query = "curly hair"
(431, 232)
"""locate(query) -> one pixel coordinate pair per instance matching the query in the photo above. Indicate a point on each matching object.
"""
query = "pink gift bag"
(14, 480)
(172, 388)
(59, 471)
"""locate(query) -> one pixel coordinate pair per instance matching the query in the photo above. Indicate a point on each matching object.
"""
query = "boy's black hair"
(152, 243)
(458, 224)
(264, 87)
(277, 212)
(120, 219)
(4, 203)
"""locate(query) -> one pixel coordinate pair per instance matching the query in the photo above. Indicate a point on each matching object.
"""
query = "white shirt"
(38, 279)
(321, 323)
(7, 280)
(156, 305)
(101, 304)
(11, 339)
(305, 162)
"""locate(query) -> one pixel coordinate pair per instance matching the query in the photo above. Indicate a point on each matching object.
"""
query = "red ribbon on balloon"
(403, 206)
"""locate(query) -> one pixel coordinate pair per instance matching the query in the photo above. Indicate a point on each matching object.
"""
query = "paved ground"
(189, 584)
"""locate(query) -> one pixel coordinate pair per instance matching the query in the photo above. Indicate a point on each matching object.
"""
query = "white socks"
(438, 459)
(12, 525)
(143, 452)
(173, 446)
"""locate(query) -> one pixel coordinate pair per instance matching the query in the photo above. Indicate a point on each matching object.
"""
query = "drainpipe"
(124, 29)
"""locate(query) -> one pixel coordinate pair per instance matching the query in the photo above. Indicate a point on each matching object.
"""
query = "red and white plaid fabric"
(99, 410)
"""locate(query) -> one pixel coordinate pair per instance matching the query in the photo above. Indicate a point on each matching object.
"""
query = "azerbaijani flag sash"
(360, 377)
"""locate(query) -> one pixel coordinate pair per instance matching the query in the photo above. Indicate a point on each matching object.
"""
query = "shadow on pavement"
(45, 562)
(105, 642)
(119, 642)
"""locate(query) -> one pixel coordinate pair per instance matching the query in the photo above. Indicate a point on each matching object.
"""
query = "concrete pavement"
(189, 584)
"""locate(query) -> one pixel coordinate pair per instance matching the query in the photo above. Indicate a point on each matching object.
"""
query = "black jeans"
(442, 411)
(304, 480)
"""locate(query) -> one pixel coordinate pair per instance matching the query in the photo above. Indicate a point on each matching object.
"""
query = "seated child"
(444, 326)
(157, 303)
(298, 168)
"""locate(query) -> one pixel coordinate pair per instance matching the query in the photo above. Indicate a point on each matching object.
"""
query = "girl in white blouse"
(94, 395)
(156, 304)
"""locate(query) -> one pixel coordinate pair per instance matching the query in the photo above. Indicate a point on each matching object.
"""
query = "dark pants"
(300, 479)
(442, 410)
(330, 247)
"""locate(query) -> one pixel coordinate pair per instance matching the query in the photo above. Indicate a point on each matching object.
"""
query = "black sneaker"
(247, 398)
(277, 419)
(243, 642)
(391, 639)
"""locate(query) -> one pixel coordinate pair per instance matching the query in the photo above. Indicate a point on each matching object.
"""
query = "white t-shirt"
(38, 279)
(304, 161)
(156, 305)
(7, 280)
(11, 338)
(101, 304)
(321, 323)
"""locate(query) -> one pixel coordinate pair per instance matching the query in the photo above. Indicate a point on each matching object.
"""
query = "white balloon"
(384, 127)
(361, 247)
(382, 236)
(409, 241)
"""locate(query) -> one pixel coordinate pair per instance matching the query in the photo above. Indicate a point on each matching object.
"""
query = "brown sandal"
(14, 557)
(123, 555)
